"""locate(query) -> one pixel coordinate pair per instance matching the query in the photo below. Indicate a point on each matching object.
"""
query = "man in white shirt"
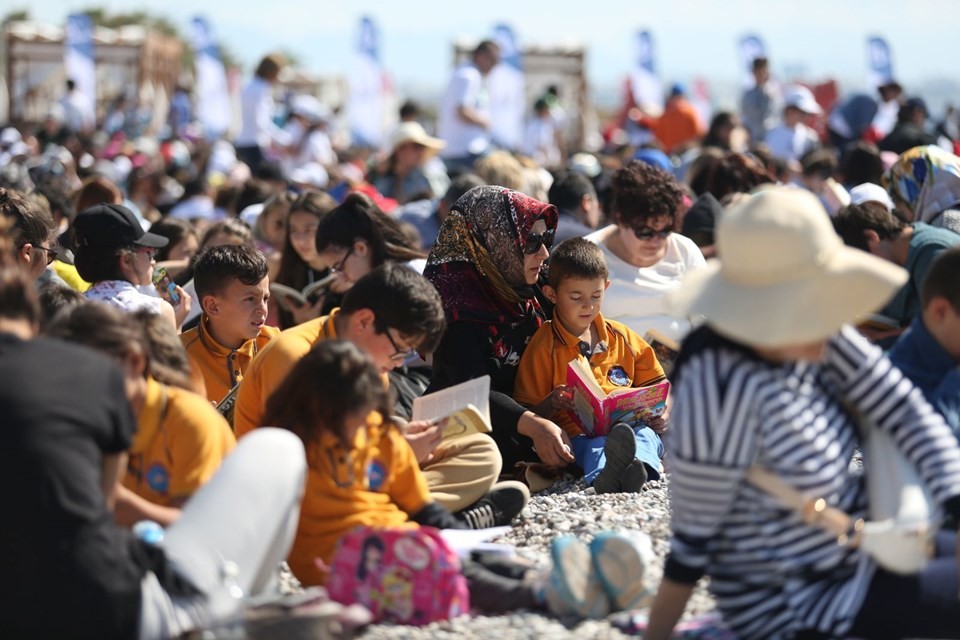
(77, 114)
(465, 110)
(257, 130)
(791, 139)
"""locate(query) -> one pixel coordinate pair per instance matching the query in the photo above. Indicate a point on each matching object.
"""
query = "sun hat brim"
(847, 286)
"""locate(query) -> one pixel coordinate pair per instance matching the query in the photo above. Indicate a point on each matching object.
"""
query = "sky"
(815, 38)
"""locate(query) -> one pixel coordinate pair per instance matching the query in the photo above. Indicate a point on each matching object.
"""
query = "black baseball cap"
(114, 225)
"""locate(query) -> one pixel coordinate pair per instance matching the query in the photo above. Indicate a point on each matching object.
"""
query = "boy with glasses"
(388, 313)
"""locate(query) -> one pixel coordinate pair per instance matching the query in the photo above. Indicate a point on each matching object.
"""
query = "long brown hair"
(293, 270)
(335, 379)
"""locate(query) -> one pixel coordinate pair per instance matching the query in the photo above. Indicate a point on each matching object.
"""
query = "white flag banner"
(368, 88)
(644, 83)
(213, 96)
(880, 62)
(751, 48)
(506, 85)
(80, 64)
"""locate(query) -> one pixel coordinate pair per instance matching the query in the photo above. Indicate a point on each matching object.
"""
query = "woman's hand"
(550, 441)
(182, 309)
(423, 436)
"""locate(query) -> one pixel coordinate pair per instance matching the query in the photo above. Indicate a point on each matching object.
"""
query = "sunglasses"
(536, 240)
(646, 233)
(399, 354)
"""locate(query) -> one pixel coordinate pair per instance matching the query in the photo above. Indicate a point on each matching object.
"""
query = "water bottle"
(149, 531)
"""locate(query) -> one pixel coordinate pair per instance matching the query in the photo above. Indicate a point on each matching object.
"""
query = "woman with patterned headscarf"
(924, 183)
(486, 265)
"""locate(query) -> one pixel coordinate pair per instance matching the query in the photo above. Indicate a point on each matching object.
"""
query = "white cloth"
(245, 517)
(636, 294)
(540, 141)
(467, 88)
(256, 117)
(77, 114)
(315, 149)
(199, 207)
(792, 143)
(123, 295)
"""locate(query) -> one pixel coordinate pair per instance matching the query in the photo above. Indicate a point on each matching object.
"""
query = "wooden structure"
(563, 66)
(131, 59)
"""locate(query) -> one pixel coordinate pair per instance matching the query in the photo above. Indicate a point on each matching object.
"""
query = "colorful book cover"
(595, 411)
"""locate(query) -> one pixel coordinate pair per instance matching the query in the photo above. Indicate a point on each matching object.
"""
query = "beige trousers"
(463, 470)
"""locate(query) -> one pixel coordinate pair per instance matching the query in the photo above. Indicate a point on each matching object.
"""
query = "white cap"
(310, 108)
(311, 173)
(9, 136)
(802, 98)
(869, 192)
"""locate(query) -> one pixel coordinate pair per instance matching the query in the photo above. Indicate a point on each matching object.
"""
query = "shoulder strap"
(813, 511)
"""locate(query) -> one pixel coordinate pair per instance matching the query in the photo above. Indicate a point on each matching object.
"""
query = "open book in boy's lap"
(596, 411)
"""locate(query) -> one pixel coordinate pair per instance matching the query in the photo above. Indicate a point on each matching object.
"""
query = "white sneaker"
(572, 587)
(620, 560)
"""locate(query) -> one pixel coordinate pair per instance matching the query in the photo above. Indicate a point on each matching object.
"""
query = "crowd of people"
(226, 338)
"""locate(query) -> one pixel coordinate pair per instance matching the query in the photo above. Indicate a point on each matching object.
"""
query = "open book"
(309, 295)
(466, 407)
(595, 411)
(665, 348)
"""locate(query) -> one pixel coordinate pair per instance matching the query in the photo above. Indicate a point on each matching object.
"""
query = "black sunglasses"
(646, 233)
(536, 240)
(51, 253)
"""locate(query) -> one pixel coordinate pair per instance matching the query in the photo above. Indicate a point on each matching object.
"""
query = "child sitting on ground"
(929, 352)
(630, 454)
(180, 439)
(232, 289)
(363, 473)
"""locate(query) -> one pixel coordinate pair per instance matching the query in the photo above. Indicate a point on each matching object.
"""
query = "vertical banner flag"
(507, 88)
(79, 63)
(751, 48)
(880, 62)
(368, 86)
(213, 97)
(644, 83)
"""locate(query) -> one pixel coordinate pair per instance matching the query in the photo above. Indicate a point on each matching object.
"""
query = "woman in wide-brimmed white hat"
(413, 172)
(773, 379)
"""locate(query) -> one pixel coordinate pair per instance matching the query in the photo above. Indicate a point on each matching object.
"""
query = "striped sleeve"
(713, 443)
(887, 399)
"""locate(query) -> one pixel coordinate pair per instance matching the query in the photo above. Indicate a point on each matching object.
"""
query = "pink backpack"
(407, 576)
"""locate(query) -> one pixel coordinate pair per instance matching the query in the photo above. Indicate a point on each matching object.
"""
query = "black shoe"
(498, 508)
(620, 450)
(634, 477)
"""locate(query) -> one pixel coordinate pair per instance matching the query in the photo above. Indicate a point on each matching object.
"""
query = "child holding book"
(363, 473)
(233, 289)
(629, 454)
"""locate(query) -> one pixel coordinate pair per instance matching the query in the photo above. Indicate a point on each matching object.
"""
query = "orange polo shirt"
(272, 365)
(222, 368)
(376, 482)
(179, 444)
(621, 359)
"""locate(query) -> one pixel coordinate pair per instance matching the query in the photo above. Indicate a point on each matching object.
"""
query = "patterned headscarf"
(477, 262)
(927, 179)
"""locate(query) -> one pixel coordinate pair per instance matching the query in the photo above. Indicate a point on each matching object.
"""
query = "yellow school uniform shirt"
(377, 482)
(221, 367)
(179, 444)
(621, 359)
(272, 365)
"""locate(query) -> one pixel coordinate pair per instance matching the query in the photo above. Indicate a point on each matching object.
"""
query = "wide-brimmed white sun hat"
(784, 277)
(414, 132)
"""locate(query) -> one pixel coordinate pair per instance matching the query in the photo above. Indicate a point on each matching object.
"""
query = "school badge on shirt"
(376, 474)
(618, 376)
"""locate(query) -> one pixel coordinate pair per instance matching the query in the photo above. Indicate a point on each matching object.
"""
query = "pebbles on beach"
(568, 508)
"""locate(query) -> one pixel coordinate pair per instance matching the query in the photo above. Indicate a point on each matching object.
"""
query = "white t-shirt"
(791, 144)
(124, 295)
(316, 148)
(256, 117)
(636, 294)
(467, 88)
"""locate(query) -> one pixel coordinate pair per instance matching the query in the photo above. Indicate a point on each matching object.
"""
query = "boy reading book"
(233, 289)
(619, 358)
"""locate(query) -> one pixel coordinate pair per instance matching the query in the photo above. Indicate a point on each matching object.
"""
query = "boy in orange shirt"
(630, 454)
(233, 289)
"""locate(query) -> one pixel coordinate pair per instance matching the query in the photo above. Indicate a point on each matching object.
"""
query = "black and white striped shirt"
(771, 574)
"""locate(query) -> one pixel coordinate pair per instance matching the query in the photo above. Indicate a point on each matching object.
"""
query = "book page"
(443, 403)
(588, 412)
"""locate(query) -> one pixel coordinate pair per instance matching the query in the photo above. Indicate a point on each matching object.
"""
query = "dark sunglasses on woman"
(536, 240)
(646, 233)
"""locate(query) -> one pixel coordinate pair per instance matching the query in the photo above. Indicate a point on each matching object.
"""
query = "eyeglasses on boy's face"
(399, 355)
(536, 240)
(649, 233)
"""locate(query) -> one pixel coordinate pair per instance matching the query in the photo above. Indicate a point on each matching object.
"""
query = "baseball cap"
(113, 225)
(802, 98)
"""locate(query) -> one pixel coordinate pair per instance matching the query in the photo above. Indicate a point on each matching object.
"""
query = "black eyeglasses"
(536, 240)
(399, 354)
(51, 253)
(343, 261)
(646, 233)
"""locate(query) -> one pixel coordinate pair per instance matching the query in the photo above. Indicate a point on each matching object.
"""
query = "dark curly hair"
(642, 192)
(732, 172)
